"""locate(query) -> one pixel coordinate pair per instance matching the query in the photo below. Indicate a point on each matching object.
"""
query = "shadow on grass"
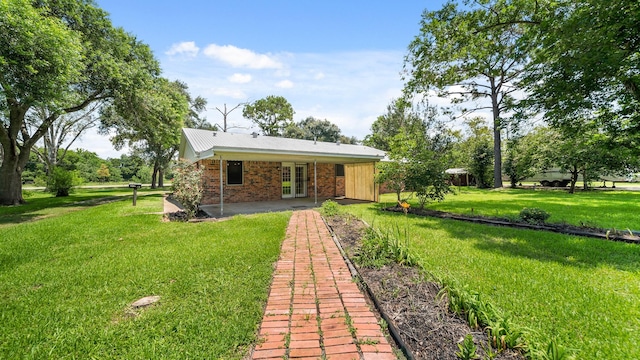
(46, 207)
(542, 245)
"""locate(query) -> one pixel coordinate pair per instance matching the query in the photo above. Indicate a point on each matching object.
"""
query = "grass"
(40, 205)
(583, 293)
(604, 209)
(66, 283)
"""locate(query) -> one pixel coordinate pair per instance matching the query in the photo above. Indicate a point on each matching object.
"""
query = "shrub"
(187, 187)
(534, 215)
(330, 208)
(379, 249)
(61, 182)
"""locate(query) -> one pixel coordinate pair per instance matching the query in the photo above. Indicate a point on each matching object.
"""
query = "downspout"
(221, 189)
(315, 181)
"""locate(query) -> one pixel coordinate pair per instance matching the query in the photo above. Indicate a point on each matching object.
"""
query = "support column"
(315, 181)
(221, 189)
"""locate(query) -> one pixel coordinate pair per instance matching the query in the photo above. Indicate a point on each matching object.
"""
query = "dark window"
(339, 170)
(234, 172)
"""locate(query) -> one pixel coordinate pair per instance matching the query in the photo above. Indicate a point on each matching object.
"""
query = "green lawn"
(66, 283)
(605, 209)
(582, 292)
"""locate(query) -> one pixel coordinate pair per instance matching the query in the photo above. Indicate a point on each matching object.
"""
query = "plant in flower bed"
(426, 325)
(580, 293)
(187, 187)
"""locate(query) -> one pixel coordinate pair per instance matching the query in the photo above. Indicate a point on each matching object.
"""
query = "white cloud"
(319, 76)
(239, 78)
(188, 48)
(241, 58)
(284, 84)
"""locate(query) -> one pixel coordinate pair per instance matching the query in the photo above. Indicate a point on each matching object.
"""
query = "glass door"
(300, 180)
(287, 180)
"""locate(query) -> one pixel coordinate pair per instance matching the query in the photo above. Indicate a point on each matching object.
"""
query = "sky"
(334, 60)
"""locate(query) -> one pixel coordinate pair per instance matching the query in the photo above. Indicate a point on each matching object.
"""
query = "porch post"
(315, 181)
(221, 189)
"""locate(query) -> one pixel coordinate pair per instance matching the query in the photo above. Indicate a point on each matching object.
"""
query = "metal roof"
(205, 144)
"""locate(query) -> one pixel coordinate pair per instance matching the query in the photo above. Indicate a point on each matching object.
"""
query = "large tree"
(316, 129)
(64, 55)
(272, 114)
(401, 117)
(586, 66)
(150, 123)
(461, 56)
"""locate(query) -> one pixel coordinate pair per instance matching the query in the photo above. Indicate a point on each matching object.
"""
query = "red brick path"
(315, 310)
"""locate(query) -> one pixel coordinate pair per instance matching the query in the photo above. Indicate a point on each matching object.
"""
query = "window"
(234, 172)
(339, 170)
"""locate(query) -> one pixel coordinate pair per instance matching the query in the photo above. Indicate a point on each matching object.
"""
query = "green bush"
(187, 186)
(534, 215)
(382, 248)
(330, 208)
(61, 182)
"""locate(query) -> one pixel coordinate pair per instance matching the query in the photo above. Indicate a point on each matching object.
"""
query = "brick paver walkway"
(315, 310)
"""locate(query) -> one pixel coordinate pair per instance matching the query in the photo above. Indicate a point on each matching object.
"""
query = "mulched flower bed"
(424, 322)
(182, 216)
(607, 234)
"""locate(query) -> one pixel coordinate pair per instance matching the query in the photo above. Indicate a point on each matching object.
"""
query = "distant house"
(252, 167)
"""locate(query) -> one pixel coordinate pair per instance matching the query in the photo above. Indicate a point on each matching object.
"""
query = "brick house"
(251, 167)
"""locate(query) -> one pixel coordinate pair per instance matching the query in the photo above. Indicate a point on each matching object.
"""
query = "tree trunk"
(497, 144)
(11, 181)
(574, 179)
(160, 178)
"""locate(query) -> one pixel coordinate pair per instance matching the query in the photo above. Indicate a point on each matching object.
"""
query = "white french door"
(294, 180)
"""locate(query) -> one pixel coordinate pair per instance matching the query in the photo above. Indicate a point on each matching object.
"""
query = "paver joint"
(314, 310)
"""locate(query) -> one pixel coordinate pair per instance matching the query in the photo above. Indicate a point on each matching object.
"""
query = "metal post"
(221, 189)
(135, 195)
(315, 181)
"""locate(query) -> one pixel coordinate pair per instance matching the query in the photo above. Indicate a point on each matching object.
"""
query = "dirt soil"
(425, 324)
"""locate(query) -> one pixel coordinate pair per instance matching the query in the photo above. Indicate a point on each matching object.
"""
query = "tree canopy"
(63, 55)
(271, 114)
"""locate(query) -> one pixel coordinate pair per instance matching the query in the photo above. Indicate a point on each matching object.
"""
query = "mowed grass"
(583, 293)
(67, 282)
(604, 209)
(40, 205)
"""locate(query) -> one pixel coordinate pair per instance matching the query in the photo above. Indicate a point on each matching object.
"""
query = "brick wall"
(340, 190)
(262, 182)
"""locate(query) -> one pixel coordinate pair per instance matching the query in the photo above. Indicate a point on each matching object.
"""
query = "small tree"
(103, 173)
(481, 164)
(187, 186)
(61, 182)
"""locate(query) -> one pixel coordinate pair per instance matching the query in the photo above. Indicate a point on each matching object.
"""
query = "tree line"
(560, 80)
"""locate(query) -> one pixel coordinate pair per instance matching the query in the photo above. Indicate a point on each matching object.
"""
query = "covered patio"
(256, 207)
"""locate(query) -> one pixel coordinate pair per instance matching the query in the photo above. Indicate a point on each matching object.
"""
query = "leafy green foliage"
(330, 208)
(467, 350)
(480, 164)
(534, 215)
(463, 58)
(61, 182)
(314, 129)
(272, 114)
(187, 186)
(382, 247)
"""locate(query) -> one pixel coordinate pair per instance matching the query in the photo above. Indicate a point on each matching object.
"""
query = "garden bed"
(607, 234)
(424, 323)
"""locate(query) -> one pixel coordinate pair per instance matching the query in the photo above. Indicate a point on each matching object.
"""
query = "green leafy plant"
(61, 182)
(330, 208)
(467, 349)
(187, 187)
(534, 215)
(380, 248)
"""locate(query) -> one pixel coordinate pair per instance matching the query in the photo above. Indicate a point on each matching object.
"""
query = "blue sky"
(334, 60)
